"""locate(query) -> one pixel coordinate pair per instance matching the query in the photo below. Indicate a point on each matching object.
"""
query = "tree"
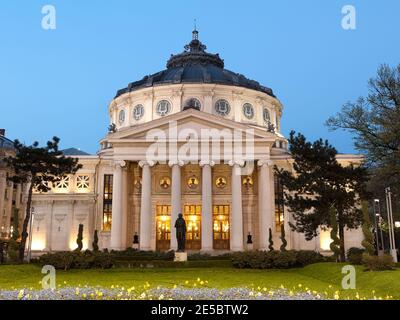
(40, 168)
(271, 242)
(335, 244)
(95, 243)
(368, 242)
(79, 238)
(374, 121)
(284, 242)
(13, 246)
(319, 183)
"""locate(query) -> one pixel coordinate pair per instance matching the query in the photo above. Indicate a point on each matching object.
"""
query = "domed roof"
(195, 65)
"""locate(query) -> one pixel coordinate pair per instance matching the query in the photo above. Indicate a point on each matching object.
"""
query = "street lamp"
(376, 218)
(392, 241)
(30, 235)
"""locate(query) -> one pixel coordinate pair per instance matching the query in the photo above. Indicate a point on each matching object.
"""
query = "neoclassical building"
(195, 139)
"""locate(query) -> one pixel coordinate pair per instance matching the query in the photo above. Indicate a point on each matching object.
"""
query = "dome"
(195, 65)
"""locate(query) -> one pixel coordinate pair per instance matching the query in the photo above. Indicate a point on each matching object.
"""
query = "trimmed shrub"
(355, 255)
(66, 260)
(378, 263)
(274, 259)
(133, 254)
(172, 264)
(207, 257)
(306, 257)
(95, 243)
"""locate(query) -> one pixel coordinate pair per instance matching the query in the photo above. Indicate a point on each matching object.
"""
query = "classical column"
(265, 183)
(116, 222)
(237, 216)
(176, 205)
(145, 207)
(206, 208)
(3, 186)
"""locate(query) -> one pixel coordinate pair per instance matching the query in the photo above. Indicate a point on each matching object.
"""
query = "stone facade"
(200, 147)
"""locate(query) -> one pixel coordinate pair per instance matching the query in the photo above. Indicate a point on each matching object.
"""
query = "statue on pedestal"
(180, 226)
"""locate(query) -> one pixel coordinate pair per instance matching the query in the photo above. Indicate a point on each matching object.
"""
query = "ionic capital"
(265, 162)
(119, 164)
(179, 163)
(236, 163)
(149, 163)
(210, 163)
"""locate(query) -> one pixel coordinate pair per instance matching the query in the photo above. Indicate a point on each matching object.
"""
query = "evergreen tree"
(318, 183)
(284, 242)
(271, 242)
(368, 242)
(95, 243)
(40, 168)
(335, 244)
(80, 238)
(13, 246)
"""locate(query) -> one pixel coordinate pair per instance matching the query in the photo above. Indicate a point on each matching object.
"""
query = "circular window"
(248, 111)
(163, 107)
(222, 107)
(192, 103)
(138, 112)
(121, 116)
(266, 116)
(220, 182)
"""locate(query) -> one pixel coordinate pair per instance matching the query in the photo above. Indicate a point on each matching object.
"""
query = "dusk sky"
(59, 82)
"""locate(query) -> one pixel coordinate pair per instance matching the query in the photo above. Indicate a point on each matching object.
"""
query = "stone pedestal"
(180, 257)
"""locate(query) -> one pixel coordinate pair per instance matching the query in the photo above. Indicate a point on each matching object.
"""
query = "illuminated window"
(107, 202)
(63, 183)
(279, 203)
(192, 215)
(163, 227)
(221, 227)
(82, 182)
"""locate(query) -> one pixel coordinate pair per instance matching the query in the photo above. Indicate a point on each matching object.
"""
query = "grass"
(322, 277)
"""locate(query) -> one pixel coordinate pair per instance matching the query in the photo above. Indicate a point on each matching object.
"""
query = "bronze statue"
(180, 226)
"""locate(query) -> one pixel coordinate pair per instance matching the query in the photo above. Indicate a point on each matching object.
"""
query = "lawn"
(322, 277)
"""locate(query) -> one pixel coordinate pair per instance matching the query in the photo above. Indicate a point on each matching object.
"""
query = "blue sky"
(60, 82)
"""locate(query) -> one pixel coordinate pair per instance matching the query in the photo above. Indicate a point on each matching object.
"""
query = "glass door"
(192, 215)
(221, 227)
(163, 227)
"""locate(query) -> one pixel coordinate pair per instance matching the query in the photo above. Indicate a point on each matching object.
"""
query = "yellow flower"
(21, 294)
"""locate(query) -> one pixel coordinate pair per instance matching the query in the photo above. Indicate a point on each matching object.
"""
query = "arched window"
(121, 117)
(266, 116)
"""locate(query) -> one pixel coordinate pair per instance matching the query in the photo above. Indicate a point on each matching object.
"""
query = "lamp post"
(392, 241)
(30, 235)
(376, 218)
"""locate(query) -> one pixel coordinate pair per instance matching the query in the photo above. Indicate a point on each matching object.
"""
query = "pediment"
(189, 123)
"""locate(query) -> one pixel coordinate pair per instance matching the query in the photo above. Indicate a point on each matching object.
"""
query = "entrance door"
(221, 227)
(192, 215)
(163, 227)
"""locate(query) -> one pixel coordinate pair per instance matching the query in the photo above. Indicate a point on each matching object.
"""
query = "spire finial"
(195, 33)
